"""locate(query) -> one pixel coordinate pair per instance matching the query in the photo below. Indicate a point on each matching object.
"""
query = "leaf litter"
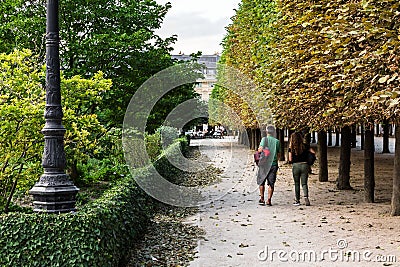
(170, 240)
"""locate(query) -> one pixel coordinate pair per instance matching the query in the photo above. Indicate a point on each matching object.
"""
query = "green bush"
(104, 170)
(168, 135)
(153, 145)
(99, 234)
(169, 171)
(162, 138)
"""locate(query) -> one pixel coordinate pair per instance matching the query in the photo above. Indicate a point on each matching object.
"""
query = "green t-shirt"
(274, 147)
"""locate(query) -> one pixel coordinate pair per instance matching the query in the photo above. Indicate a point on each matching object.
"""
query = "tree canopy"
(115, 37)
(319, 63)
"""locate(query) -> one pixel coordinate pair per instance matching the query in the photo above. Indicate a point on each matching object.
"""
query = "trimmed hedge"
(100, 234)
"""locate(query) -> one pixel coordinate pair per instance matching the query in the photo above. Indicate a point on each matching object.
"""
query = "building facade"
(205, 85)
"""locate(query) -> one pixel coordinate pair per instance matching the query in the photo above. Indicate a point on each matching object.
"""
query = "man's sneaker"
(307, 201)
(296, 203)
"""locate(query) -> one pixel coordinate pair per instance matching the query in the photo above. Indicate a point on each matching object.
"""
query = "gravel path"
(338, 229)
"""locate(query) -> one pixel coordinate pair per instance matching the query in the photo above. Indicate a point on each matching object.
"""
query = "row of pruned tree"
(317, 65)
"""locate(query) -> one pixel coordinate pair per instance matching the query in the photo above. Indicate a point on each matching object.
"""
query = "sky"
(199, 24)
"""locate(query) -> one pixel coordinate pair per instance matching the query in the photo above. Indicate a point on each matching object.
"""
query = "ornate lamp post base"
(54, 198)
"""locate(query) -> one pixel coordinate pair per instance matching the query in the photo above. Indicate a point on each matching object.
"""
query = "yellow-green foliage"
(81, 98)
(320, 64)
(21, 119)
(22, 101)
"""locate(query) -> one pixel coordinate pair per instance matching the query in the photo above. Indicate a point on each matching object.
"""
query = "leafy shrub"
(95, 170)
(100, 234)
(97, 235)
(153, 145)
(22, 101)
(162, 138)
(168, 135)
(21, 117)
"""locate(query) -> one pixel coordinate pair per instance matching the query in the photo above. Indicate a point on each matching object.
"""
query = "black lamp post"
(54, 193)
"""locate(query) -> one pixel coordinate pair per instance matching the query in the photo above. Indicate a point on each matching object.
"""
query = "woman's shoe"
(307, 201)
(296, 203)
(269, 202)
(261, 202)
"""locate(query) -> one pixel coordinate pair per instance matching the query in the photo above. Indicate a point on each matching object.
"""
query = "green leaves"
(21, 117)
(245, 51)
(22, 101)
(81, 100)
(114, 37)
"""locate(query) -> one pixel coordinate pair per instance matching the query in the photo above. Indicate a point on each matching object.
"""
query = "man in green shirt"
(267, 171)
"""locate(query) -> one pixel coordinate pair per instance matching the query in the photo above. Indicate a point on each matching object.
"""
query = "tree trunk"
(282, 141)
(337, 137)
(362, 135)
(245, 138)
(353, 136)
(308, 137)
(253, 139)
(322, 157)
(14, 186)
(329, 137)
(396, 175)
(313, 138)
(377, 130)
(385, 137)
(73, 173)
(369, 175)
(250, 139)
(343, 180)
(258, 137)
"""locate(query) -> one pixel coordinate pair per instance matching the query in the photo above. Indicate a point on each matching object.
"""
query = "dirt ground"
(338, 229)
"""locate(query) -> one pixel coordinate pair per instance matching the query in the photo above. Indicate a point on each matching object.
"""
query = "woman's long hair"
(296, 143)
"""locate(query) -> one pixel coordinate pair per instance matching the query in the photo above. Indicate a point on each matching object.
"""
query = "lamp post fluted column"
(54, 192)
